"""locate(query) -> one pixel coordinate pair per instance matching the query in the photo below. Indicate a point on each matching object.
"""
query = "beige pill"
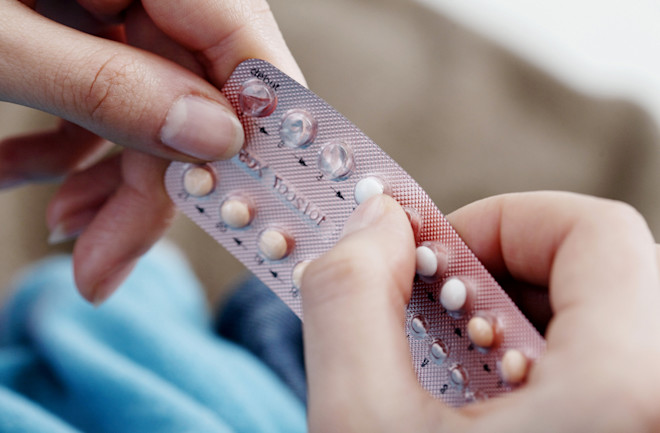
(273, 244)
(236, 213)
(198, 181)
(514, 366)
(298, 272)
(481, 332)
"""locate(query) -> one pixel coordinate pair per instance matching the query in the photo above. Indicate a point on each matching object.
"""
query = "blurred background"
(472, 97)
(604, 47)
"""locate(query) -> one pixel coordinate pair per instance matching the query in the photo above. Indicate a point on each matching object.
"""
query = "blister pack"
(284, 199)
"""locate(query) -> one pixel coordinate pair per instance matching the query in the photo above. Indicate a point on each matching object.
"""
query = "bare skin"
(112, 69)
(596, 258)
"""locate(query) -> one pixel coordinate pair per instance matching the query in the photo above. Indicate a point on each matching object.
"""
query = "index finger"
(224, 33)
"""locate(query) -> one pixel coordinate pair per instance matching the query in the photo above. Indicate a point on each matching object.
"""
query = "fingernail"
(367, 214)
(95, 156)
(59, 235)
(70, 227)
(202, 128)
(107, 286)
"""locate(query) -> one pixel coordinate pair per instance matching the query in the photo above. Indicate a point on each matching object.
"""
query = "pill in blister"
(432, 260)
(514, 366)
(419, 328)
(438, 351)
(297, 273)
(458, 376)
(237, 212)
(274, 244)
(454, 295)
(481, 331)
(336, 160)
(298, 128)
(427, 264)
(264, 173)
(369, 187)
(256, 98)
(198, 181)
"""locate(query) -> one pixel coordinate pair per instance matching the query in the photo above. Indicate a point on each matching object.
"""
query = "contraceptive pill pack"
(283, 201)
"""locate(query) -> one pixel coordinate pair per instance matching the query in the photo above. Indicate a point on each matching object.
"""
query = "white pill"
(367, 188)
(336, 160)
(298, 128)
(427, 262)
(514, 366)
(298, 272)
(458, 376)
(236, 213)
(438, 351)
(481, 331)
(256, 98)
(273, 244)
(418, 326)
(198, 181)
(453, 294)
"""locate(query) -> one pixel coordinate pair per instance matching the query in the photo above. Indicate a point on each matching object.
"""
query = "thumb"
(354, 300)
(121, 93)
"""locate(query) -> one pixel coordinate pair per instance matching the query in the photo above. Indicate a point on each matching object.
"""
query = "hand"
(158, 97)
(596, 257)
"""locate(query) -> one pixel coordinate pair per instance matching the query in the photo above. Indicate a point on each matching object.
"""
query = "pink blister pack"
(283, 201)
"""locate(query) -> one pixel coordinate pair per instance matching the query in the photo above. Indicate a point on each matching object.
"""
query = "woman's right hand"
(599, 263)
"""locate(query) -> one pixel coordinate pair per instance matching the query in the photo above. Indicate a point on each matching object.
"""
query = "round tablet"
(514, 366)
(336, 160)
(236, 213)
(198, 181)
(256, 98)
(418, 326)
(426, 261)
(453, 294)
(297, 273)
(367, 188)
(273, 244)
(458, 376)
(298, 128)
(438, 351)
(481, 332)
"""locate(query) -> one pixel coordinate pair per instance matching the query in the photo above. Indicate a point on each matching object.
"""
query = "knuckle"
(111, 86)
(621, 214)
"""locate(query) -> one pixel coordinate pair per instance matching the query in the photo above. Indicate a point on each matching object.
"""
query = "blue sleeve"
(146, 361)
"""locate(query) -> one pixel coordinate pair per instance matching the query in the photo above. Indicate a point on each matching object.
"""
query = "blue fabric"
(257, 319)
(146, 361)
